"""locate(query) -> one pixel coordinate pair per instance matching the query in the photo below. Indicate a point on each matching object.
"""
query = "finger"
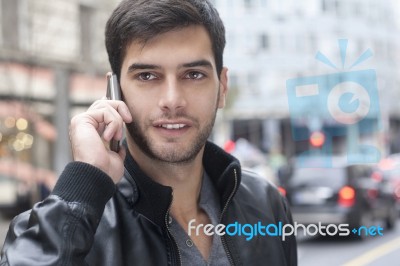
(123, 110)
(113, 129)
(119, 106)
(101, 128)
(107, 122)
(112, 132)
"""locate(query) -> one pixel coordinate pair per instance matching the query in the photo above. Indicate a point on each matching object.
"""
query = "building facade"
(272, 41)
(52, 65)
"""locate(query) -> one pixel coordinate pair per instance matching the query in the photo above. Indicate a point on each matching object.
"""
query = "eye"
(194, 75)
(146, 76)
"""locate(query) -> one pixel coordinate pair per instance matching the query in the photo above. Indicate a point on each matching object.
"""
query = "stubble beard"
(181, 155)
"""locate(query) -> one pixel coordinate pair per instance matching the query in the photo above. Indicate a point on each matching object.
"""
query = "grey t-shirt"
(190, 255)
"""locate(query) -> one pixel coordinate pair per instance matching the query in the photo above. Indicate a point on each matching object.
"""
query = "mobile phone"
(113, 93)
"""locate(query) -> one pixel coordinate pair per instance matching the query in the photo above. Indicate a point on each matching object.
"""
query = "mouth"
(172, 126)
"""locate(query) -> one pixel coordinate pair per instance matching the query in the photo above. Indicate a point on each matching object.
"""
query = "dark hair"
(141, 20)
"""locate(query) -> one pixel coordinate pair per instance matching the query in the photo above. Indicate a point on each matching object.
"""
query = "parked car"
(390, 170)
(352, 194)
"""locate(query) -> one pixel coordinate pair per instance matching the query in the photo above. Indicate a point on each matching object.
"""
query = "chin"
(173, 153)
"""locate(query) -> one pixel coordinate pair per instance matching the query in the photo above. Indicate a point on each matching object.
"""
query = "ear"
(223, 87)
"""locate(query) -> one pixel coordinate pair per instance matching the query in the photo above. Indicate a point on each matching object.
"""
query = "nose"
(172, 96)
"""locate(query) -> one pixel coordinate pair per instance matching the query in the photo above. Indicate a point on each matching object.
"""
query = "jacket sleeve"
(60, 229)
(290, 245)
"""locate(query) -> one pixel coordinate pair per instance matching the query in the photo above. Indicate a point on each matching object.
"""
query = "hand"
(100, 123)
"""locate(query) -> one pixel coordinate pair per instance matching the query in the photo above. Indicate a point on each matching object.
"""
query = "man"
(139, 206)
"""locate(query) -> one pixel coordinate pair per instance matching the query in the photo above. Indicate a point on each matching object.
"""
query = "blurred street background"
(53, 64)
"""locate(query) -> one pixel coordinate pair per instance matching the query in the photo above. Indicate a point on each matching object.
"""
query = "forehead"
(173, 47)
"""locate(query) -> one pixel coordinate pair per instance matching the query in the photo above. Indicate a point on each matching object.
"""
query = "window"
(86, 14)
(248, 4)
(252, 83)
(324, 6)
(338, 8)
(263, 3)
(10, 23)
(264, 41)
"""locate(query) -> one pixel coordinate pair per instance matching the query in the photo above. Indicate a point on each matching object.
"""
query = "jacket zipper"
(223, 239)
(169, 232)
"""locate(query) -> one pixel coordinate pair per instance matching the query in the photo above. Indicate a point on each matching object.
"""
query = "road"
(374, 251)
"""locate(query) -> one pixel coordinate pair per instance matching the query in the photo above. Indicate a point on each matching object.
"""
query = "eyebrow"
(139, 66)
(201, 63)
(198, 63)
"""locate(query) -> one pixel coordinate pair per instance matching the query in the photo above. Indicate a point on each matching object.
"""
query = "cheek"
(201, 101)
(138, 111)
(206, 106)
(135, 100)
(136, 108)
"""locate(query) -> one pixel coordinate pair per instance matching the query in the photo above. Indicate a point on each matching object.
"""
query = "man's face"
(171, 87)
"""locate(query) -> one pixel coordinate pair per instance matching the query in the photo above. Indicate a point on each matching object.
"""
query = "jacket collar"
(153, 200)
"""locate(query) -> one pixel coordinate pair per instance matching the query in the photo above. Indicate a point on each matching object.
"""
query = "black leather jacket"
(93, 222)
